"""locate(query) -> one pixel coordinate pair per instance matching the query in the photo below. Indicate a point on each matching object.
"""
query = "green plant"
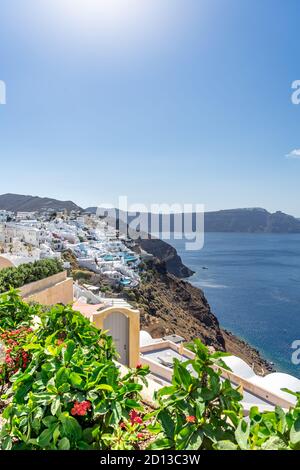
(71, 396)
(14, 312)
(26, 273)
(15, 356)
(273, 430)
(197, 410)
(202, 411)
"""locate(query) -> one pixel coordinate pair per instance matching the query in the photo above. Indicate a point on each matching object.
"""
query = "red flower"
(122, 425)
(190, 419)
(140, 435)
(139, 366)
(135, 418)
(81, 408)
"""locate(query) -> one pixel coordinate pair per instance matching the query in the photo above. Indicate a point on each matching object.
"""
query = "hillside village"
(98, 248)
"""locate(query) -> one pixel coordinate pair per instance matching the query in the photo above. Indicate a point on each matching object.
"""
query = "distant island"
(249, 220)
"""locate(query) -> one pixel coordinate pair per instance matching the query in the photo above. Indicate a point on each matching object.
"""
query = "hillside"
(251, 220)
(248, 220)
(18, 202)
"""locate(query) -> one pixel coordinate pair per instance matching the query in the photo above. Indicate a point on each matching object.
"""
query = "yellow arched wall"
(134, 329)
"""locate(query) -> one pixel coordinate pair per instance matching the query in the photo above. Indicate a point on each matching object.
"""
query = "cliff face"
(170, 305)
(167, 254)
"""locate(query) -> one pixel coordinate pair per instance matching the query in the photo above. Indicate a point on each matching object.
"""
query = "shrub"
(194, 410)
(202, 411)
(26, 273)
(16, 357)
(82, 275)
(71, 396)
(14, 312)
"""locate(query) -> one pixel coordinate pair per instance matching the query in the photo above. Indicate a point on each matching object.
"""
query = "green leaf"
(161, 444)
(106, 387)
(129, 403)
(68, 352)
(232, 416)
(55, 405)
(64, 444)
(64, 388)
(184, 437)
(195, 441)
(116, 413)
(71, 428)
(83, 446)
(6, 443)
(225, 445)
(76, 380)
(87, 435)
(49, 420)
(44, 438)
(242, 434)
(181, 375)
(167, 423)
(295, 432)
(166, 391)
(274, 443)
(62, 376)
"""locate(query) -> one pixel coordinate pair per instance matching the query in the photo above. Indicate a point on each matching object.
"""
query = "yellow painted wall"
(56, 289)
(61, 293)
(134, 329)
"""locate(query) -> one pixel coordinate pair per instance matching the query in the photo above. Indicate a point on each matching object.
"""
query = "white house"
(25, 233)
(25, 215)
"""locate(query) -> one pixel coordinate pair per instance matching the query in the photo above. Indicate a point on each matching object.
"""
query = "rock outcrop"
(167, 254)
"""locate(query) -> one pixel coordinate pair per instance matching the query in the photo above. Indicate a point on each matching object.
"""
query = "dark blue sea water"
(253, 286)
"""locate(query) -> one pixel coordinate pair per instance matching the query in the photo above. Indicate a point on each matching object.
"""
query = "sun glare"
(105, 26)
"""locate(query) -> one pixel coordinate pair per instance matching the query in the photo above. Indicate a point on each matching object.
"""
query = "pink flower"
(190, 419)
(81, 408)
(135, 418)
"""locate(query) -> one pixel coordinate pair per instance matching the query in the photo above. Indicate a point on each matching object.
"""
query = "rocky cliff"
(166, 253)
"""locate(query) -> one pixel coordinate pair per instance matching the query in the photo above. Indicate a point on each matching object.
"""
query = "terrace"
(263, 392)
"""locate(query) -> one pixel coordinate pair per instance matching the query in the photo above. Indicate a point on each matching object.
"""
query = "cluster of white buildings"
(96, 246)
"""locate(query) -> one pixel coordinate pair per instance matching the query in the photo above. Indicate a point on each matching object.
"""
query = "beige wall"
(5, 263)
(57, 289)
(134, 329)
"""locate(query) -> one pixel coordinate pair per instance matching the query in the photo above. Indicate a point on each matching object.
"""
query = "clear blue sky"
(170, 101)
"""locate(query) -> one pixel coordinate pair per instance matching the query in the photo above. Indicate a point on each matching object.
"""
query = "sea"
(252, 283)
